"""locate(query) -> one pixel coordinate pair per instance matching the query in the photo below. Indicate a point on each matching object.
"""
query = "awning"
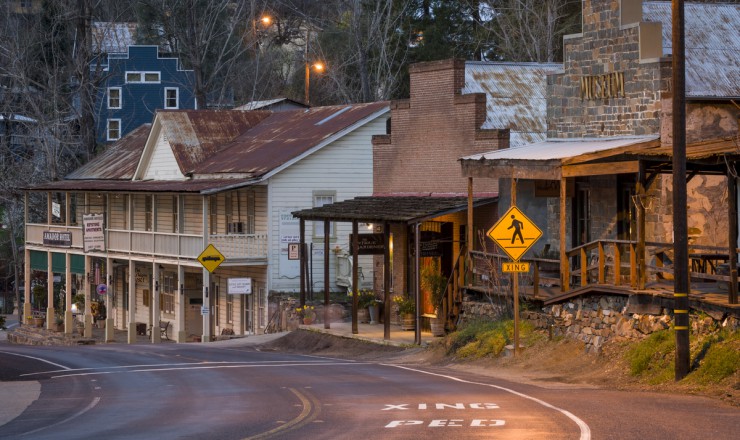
(557, 158)
(394, 209)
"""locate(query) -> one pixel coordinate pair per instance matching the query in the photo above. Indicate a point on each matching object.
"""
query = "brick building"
(417, 185)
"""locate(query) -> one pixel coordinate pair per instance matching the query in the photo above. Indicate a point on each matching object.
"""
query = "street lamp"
(317, 66)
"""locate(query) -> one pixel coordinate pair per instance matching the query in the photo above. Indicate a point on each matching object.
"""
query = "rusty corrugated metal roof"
(285, 136)
(118, 161)
(516, 96)
(391, 208)
(149, 186)
(712, 45)
(196, 135)
(557, 149)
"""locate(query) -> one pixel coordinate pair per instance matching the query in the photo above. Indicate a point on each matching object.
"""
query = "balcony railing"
(233, 246)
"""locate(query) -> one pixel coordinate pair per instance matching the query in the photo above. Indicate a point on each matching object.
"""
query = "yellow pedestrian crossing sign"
(514, 233)
(211, 258)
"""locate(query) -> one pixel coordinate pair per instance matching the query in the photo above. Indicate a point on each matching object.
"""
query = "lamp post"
(318, 66)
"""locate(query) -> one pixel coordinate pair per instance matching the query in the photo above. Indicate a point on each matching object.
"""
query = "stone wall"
(478, 310)
(607, 46)
(594, 320)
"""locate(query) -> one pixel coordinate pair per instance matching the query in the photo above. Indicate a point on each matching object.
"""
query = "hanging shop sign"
(93, 232)
(58, 238)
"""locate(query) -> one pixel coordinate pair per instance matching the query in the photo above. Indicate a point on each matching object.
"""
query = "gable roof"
(272, 104)
(196, 135)
(118, 161)
(286, 136)
(244, 145)
(712, 44)
(516, 96)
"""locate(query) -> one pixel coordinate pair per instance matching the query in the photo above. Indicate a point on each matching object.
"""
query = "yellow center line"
(308, 414)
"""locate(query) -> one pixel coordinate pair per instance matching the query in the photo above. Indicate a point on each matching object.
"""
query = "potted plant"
(306, 313)
(435, 283)
(365, 300)
(407, 311)
(59, 323)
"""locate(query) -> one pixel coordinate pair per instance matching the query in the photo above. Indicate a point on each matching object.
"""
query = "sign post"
(515, 234)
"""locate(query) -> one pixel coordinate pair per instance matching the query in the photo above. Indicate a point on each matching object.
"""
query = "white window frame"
(131, 77)
(110, 99)
(177, 98)
(321, 198)
(108, 130)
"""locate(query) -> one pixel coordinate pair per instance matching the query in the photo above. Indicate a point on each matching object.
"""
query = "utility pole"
(680, 222)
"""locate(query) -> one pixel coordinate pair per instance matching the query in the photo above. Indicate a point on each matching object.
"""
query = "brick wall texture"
(430, 131)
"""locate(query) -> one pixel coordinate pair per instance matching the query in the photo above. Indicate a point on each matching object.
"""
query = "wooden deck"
(710, 296)
(708, 290)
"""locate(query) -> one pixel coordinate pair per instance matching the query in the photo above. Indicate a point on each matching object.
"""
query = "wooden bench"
(163, 326)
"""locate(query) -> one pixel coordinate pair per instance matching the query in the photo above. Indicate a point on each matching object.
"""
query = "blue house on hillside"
(135, 84)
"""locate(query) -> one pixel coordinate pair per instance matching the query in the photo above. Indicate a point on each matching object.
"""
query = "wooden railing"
(233, 246)
(601, 262)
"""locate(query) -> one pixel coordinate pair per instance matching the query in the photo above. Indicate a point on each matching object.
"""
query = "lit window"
(171, 100)
(114, 129)
(114, 97)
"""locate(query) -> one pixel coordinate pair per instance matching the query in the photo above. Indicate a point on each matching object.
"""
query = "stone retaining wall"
(599, 318)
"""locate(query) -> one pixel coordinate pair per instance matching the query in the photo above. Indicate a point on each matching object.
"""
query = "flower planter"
(408, 321)
(437, 326)
(308, 320)
(39, 322)
(363, 315)
(374, 313)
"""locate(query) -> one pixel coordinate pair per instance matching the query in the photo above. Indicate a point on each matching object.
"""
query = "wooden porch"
(710, 282)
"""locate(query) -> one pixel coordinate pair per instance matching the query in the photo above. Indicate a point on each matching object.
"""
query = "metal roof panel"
(712, 43)
(516, 96)
(286, 135)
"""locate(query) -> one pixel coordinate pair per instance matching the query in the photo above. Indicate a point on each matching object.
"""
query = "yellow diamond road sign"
(515, 233)
(210, 258)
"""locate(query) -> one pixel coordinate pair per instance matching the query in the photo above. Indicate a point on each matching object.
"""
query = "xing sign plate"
(514, 233)
(211, 258)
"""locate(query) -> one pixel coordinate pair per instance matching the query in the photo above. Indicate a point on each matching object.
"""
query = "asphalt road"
(204, 391)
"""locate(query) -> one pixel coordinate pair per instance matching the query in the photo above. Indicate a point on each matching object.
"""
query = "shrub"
(721, 359)
(488, 338)
(653, 353)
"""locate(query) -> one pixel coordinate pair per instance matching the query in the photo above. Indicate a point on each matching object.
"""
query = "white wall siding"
(345, 166)
(163, 165)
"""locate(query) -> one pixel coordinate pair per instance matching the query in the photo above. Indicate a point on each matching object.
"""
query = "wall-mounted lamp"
(369, 226)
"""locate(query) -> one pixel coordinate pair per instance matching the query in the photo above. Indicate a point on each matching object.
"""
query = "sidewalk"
(372, 333)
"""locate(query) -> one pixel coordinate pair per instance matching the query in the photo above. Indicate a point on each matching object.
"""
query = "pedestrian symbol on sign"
(514, 233)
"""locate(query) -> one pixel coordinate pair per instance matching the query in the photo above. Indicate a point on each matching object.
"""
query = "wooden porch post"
(355, 287)
(564, 270)
(327, 233)
(417, 277)
(733, 233)
(641, 192)
(387, 280)
(131, 302)
(470, 230)
(302, 259)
